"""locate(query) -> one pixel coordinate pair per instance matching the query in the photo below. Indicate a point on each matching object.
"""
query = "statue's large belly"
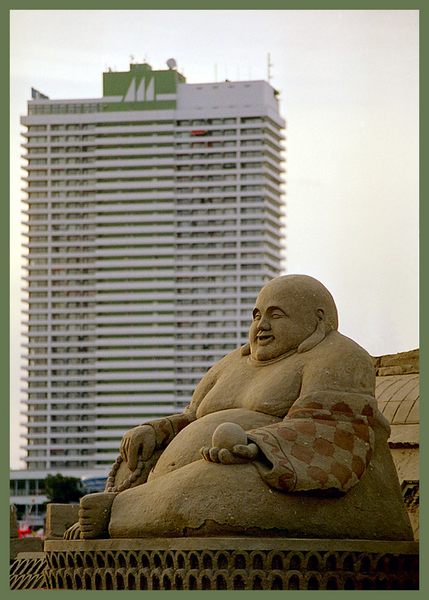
(185, 448)
(210, 499)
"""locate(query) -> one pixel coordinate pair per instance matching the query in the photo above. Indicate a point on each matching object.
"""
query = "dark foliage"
(63, 490)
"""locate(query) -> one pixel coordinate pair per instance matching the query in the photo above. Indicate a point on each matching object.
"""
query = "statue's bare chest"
(269, 389)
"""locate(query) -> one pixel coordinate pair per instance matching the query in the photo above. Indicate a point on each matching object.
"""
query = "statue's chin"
(262, 356)
(266, 355)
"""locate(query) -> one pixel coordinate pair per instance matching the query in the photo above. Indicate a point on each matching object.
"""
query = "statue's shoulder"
(343, 359)
(335, 342)
(345, 343)
(338, 363)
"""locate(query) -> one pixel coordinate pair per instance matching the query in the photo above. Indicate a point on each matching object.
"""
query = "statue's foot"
(94, 515)
(73, 532)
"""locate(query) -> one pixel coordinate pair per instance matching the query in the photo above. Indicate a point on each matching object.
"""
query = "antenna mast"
(269, 65)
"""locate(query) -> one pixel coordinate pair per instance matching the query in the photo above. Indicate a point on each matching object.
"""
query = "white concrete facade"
(149, 235)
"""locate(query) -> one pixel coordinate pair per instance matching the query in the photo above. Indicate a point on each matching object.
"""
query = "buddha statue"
(282, 437)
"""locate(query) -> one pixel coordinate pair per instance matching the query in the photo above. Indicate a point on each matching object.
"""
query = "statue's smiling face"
(281, 321)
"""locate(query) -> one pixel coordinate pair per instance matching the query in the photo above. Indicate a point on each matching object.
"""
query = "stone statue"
(282, 437)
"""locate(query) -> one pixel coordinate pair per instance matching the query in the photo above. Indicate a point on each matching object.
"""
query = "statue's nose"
(264, 325)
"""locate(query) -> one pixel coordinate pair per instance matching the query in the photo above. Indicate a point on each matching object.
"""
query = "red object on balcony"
(198, 132)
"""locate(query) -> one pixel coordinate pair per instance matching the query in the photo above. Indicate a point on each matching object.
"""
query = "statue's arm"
(167, 428)
(144, 440)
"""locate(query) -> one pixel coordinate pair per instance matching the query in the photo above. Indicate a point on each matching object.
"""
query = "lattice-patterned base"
(28, 572)
(231, 564)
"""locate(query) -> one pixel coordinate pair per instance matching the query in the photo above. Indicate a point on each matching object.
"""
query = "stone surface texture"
(28, 571)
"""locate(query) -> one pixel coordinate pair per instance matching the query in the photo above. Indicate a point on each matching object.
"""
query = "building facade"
(153, 216)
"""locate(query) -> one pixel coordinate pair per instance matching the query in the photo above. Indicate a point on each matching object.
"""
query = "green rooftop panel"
(141, 88)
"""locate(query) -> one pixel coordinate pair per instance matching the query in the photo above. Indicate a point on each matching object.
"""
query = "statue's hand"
(139, 441)
(229, 446)
(238, 454)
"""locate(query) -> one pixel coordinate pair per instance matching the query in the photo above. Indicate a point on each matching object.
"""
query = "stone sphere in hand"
(227, 435)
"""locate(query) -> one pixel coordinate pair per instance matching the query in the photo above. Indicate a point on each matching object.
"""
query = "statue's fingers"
(214, 454)
(124, 450)
(241, 450)
(146, 449)
(248, 451)
(225, 457)
(205, 453)
(132, 457)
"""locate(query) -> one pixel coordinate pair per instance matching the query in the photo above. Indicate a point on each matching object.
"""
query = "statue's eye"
(256, 315)
(277, 315)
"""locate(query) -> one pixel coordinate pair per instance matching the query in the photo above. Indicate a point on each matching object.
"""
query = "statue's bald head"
(291, 313)
(305, 291)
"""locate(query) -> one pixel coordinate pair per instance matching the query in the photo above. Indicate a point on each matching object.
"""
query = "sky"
(348, 83)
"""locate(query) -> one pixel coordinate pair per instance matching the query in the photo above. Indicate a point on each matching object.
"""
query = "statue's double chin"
(271, 359)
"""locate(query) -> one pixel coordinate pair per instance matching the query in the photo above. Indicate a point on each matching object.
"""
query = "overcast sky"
(348, 83)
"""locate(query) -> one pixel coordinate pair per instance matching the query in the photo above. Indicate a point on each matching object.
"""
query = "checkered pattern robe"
(325, 442)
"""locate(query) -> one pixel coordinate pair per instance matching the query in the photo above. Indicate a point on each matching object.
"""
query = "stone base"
(231, 564)
(30, 544)
(27, 571)
(60, 517)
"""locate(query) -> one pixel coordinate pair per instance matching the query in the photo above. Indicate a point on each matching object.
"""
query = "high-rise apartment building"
(154, 216)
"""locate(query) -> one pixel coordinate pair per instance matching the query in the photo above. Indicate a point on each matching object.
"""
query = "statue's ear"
(318, 334)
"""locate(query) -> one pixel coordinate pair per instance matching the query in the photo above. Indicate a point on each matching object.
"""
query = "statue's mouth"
(265, 338)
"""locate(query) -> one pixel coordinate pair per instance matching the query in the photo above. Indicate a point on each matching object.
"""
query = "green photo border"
(5, 7)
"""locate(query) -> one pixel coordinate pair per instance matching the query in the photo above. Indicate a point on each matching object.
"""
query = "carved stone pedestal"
(231, 564)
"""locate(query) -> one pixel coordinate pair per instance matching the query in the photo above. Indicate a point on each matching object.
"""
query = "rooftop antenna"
(269, 65)
(131, 59)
